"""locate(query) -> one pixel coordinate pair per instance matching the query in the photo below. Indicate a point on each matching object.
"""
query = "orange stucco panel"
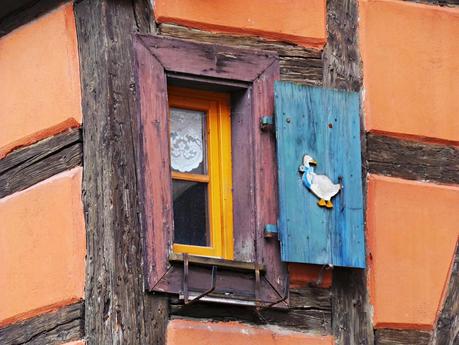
(412, 232)
(297, 21)
(79, 342)
(42, 247)
(184, 332)
(411, 66)
(40, 83)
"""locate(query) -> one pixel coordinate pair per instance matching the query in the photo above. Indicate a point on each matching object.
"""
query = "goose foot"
(321, 203)
(329, 204)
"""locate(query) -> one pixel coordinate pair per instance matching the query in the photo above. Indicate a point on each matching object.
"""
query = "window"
(231, 90)
(200, 149)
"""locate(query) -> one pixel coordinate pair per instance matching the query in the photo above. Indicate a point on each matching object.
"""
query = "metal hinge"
(270, 231)
(267, 123)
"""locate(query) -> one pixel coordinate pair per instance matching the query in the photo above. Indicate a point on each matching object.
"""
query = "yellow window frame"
(216, 105)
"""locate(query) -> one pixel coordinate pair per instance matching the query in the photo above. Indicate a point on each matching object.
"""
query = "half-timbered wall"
(42, 231)
(71, 243)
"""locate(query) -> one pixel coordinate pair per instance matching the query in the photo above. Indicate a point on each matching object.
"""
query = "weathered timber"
(446, 331)
(342, 66)
(309, 310)
(117, 309)
(351, 320)
(297, 64)
(14, 13)
(57, 327)
(253, 189)
(29, 165)
(448, 3)
(412, 160)
(401, 337)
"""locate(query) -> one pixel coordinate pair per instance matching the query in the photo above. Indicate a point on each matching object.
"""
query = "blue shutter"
(324, 124)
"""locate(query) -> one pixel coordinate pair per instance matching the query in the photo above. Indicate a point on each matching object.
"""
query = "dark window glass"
(190, 213)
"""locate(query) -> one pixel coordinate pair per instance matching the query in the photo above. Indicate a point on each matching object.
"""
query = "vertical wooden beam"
(117, 309)
(351, 318)
(342, 66)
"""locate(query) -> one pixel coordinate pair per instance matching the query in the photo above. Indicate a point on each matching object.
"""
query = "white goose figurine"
(320, 185)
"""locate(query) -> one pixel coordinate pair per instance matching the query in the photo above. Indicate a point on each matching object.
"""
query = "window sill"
(220, 263)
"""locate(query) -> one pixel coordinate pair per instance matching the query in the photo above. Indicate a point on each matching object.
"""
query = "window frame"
(216, 105)
(251, 75)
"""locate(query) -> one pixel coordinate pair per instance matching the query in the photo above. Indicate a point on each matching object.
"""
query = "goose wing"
(323, 187)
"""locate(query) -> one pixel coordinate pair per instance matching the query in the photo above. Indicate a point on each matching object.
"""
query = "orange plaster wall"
(410, 62)
(79, 342)
(42, 247)
(412, 229)
(185, 332)
(40, 82)
(297, 21)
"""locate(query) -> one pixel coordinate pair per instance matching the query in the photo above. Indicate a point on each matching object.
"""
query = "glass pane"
(190, 213)
(188, 141)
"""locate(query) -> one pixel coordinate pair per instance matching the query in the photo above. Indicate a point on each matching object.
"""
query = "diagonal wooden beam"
(63, 325)
(32, 164)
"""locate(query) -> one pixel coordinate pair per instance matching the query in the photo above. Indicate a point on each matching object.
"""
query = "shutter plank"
(326, 125)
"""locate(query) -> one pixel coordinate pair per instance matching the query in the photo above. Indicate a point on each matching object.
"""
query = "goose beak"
(313, 162)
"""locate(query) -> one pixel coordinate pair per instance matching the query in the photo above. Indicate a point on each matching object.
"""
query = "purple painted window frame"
(254, 163)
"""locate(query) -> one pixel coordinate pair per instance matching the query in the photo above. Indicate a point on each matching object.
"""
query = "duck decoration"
(320, 185)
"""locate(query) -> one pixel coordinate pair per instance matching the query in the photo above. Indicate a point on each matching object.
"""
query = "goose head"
(307, 162)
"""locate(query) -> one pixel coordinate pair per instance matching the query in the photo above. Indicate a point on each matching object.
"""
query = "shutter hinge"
(267, 123)
(270, 231)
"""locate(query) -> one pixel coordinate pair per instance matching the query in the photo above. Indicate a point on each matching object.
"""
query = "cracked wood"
(117, 309)
(63, 325)
(29, 165)
(297, 64)
(412, 160)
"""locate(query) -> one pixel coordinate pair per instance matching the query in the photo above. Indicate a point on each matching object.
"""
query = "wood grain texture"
(309, 310)
(209, 60)
(29, 165)
(264, 171)
(412, 160)
(446, 331)
(14, 13)
(341, 57)
(58, 327)
(449, 3)
(117, 309)
(254, 180)
(324, 124)
(154, 162)
(297, 64)
(401, 337)
(351, 318)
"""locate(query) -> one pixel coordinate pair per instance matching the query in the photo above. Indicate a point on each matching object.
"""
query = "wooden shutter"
(324, 124)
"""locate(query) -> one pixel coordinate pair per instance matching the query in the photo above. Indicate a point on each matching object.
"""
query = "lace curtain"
(186, 139)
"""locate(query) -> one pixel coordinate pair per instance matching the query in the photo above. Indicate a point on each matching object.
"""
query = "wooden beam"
(60, 326)
(412, 160)
(351, 313)
(401, 337)
(297, 64)
(14, 13)
(309, 310)
(29, 165)
(117, 309)
(448, 3)
(341, 57)
(447, 328)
